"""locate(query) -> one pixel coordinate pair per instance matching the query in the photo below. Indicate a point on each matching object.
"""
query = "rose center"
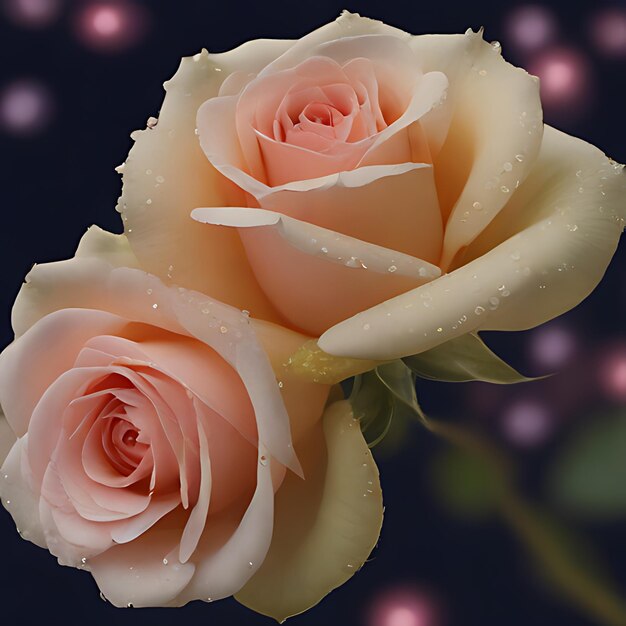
(130, 437)
(120, 441)
(320, 113)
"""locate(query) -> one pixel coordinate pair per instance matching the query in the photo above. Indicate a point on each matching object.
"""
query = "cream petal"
(317, 277)
(304, 401)
(7, 438)
(107, 246)
(326, 526)
(142, 573)
(495, 132)
(221, 573)
(17, 495)
(345, 26)
(556, 244)
(167, 175)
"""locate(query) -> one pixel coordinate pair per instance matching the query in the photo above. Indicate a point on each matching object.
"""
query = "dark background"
(88, 92)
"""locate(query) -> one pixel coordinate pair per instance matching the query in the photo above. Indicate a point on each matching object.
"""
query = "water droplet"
(579, 173)
(324, 250)
(493, 303)
(482, 72)
(422, 271)
(155, 306)
(350, 566)
(504, 189)
(479, 310)
(496, 45)
(572, 227)
(507, 166)
(477, 206)
(263, 460)
(149, 291)
(209, 599)
(148, 172)
(440, 330)
(519, 158)
(581, 190)
(281, 384)
(84, 560)
(392, 268)
(516, 256)
(250, 564)
(160, 179)
(196, 131)
(165, 561)
(223, 329)
(130, 605)
(366, 326)
(352, 262)
(149, 201)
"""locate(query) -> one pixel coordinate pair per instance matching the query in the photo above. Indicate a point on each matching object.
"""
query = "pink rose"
(155, 435)
(387, 191)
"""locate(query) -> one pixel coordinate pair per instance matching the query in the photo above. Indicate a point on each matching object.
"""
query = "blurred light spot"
(25, 107)
(530, 27)
(552, 346)
(608, 32)
(32, 13)
(403, 606)
(112, 25)
(613, 374)
(527, 423)
(565, 78)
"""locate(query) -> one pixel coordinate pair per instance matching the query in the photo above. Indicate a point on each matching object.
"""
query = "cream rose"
(387, 191)
(154, 434)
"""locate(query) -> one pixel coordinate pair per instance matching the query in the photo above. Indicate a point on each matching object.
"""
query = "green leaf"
(382, 395)
(589, 477)
(464, 359)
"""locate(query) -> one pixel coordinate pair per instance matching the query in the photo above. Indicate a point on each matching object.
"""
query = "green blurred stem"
(526, 520)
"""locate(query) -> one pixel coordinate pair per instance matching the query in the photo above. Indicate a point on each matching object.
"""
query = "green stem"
(526, 520)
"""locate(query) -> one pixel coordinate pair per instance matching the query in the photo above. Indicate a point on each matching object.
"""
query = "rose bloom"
(155, 438)
(388, 192)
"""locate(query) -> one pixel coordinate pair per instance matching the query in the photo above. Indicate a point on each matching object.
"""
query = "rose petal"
(392, 206)
(136, 574)
(166, 175)
(60, 334)
(107, 246)
(17, 495)
(315, 276)
(326, 526)
(345, 26)
(7, 438)
(564, 241)
(494, 136)
(197, 518)
(221, 573)
(304, 401)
